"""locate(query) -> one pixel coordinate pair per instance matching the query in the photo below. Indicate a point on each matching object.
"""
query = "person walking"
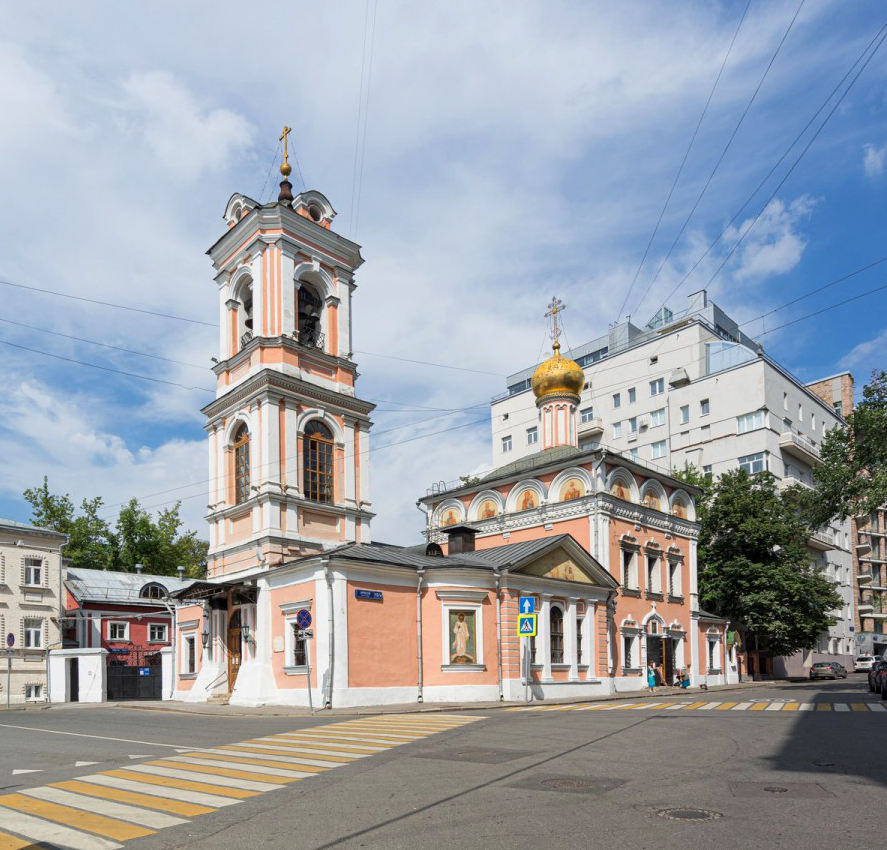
(651, 677)
(685, 677)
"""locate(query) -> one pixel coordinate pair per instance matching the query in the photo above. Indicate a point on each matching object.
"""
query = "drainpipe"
(328, 701)
(498, 577)
(421, 573)
(173, 640)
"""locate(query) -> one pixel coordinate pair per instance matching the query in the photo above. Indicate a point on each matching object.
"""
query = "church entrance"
(661, 651)
(235, 649)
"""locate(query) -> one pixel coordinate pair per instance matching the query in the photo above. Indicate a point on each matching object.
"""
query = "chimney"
(181, 572)
(139, 568)
(461, 539)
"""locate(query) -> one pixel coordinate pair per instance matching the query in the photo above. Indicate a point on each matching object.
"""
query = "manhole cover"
(689, 814)
(571, 784)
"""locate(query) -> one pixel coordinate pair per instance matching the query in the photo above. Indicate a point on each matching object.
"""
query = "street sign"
(303, 619)
(144, 671)
(303, 634)
(10, 640)
(526, 625)
(527, 605)
(374, 595)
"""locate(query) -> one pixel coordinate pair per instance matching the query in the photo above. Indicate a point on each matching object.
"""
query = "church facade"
(301, 607)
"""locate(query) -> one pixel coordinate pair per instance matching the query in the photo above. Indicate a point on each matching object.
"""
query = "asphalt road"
(780, 776)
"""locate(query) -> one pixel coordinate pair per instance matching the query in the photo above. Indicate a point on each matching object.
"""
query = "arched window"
(309, 307)
(153, 591)
(245, 313)
(241, 464)
(317, 461)
(556, 633)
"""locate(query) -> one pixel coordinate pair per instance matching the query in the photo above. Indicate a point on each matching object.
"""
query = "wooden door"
(235, 649)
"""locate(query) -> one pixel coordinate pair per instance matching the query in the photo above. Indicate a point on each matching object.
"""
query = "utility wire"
(268, 177)
(723, 154)
(683, 161)
(366, 112)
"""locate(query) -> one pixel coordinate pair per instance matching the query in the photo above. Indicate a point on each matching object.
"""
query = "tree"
(755, 567)
(852, 478)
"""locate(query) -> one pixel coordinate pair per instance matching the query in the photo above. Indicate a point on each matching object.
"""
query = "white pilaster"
(288, 290)
(543, 638)
(350, 461)
(571, 637)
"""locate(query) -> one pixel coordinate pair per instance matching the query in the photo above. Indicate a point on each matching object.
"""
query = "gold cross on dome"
(556, 306)
(285, 167)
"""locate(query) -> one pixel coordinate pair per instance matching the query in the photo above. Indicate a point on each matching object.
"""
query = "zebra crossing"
(100, 810)
(785, 706)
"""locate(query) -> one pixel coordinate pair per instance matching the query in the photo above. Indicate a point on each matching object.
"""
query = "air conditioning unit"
(643, 423)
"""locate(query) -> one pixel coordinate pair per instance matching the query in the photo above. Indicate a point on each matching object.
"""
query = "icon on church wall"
(462, 649)
(450, 518)
(620, 491)
(572, 489)
(652, 501)
(680, 510)
(488, 509)
(529, 501)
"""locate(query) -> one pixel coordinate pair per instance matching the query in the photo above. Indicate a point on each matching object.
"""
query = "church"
(301, 607)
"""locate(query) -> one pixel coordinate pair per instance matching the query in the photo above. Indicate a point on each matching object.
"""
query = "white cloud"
(874, 160)
(873, 351)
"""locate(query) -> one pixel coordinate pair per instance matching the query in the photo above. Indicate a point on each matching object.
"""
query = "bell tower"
(288, 436)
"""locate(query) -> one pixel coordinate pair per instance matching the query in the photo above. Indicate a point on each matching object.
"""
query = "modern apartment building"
(692, 388)
(868, 535)
(30, 607)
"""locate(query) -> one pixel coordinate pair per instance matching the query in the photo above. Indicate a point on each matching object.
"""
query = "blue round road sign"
(10, 640)
(303, 619)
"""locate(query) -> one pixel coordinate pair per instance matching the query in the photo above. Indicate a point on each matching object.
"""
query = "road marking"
(321, 743)
(17, 772)
(859, 706)
(775, 706)
(152, 776)
(81, 735)
(133, 814)
(875, 706)
(74, 817)
(53, 834)
(709, 706)
(10, 842)
(791, 706)
(695, 705)
(84, 763)
(294, 748)
(144, 799)
(742, 706)
(378, 743)
(238, 760)
(726, 706)
(823, 706)
(233, 749)
(841, 706)
(167, 791)
(759, 706)
(676, 706)
(217, 778)
(223, 767)
(806, 706)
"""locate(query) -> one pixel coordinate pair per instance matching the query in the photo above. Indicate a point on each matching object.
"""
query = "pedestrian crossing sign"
(526, 625)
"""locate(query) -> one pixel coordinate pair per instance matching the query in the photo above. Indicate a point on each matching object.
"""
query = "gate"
(134, 673)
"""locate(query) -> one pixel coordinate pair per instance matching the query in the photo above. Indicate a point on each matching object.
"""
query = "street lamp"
(205, 639)
(244, 631)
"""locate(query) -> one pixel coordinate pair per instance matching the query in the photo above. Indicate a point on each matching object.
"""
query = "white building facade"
(693, 389)
(31, 607)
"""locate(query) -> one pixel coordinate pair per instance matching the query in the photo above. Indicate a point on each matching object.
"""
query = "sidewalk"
(217, 710)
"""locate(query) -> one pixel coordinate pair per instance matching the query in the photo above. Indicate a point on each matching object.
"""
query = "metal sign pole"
(305, 634)
(526, 669)
(8, 676)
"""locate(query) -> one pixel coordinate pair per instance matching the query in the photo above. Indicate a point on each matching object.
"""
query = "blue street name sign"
(303, 619)
(526, 625)
(144, 671)
(119, 651)
(10, 640)
(368, 594)
(527, 605)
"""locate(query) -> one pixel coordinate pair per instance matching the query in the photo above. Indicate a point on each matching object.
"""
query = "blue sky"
(511, 151)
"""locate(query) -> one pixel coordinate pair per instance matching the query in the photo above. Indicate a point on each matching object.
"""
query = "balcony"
(863, 577)
(822, 540)
(863, 548)
(790, 481)
(865, 609)
(799, 447)
(591, 428)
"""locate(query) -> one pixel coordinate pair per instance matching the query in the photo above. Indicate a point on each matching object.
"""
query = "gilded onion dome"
(557, 376)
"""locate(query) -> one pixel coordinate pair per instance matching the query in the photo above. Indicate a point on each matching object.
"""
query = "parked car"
(828, 670)
(877, 667)
(864, 663)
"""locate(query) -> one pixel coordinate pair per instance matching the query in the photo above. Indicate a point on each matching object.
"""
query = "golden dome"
(557, 376)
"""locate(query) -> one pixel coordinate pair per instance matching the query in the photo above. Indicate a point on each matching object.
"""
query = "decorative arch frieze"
(526, 495)
(653, 495)
(487, 504)
(449, 512)
(621, 484)
(569, 484)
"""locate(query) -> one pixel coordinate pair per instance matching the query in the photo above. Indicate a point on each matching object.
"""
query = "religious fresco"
(529, 500)
(620, 491)
(488, 509)
(651, 500)
(680, 510)
(572, 489)
(450, 517)
(462, 634)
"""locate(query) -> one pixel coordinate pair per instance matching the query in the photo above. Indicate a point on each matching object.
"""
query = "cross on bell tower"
(555, 307)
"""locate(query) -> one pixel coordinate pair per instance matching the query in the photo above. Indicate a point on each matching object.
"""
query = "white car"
(864, 663)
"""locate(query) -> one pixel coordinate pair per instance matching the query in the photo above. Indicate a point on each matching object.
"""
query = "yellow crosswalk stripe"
(759, 706)
(221, 771)
(186, 784)
(52, 835)
(102, 806)
(322, 743)
(695, 705)
(269, 774)
(250, 760)
(161, 803)
(726, 705)
(791, 706)
(824, 706)
(294, 757)
(10, 842)
(859, 706)
(87, 821)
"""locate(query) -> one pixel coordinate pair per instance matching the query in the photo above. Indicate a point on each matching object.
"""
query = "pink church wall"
(382, 638)
(281, 596)
(183, 615)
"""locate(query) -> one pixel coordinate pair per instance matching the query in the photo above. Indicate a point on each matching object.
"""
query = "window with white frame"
(298, 656)
(586, 414)
(704, 407)
(632, 395)
(617, 399)
(629, 659)
(617, 430)
(532, 435)
(674, 578)
(633, 425)
(33, 692)
(556, 634)
(714, 661)
(706, 471)
(838, 408)
(658, 449)
(657, 417)
(579, 620)
(657, 387)
(506, 443)
(118, 630)
(800, 413)
(158, 632)
(34, 571)
(753, 464)
(33, 633)
(685, 414)
(189, 654)
(654, 575)
(750, 422)
(629, 569)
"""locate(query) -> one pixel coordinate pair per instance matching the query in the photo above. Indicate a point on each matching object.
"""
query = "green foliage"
(755, 567)
(852, 478)
(691, 474)
(135, 539)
